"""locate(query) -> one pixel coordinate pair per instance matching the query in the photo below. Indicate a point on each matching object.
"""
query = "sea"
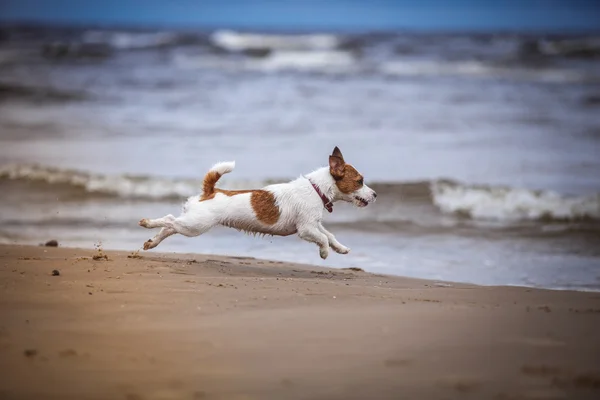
(484, 148)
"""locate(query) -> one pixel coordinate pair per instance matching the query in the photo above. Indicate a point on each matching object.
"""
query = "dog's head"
(349, 182)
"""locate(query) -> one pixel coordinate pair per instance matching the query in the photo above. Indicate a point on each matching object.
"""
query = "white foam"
(306, 61)
(509, 204)
(475, 68)
(303, 61)
(118, 185)
(139, 187)
(128, 40)
(426, 68)
(235, 41)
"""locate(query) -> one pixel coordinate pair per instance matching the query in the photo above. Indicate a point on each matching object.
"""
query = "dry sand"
(174, 326)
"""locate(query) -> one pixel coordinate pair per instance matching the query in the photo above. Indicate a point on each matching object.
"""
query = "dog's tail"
(214, 174)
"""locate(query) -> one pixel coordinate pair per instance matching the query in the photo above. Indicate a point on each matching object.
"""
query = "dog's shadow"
(248, 267)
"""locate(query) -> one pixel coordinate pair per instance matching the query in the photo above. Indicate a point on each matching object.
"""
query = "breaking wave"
(477, 202)
(343, 61)
(131, 40)
(305, 61)
(236, 41)
(512, 204)
(123, 186)
(129, 187)
(483, 69)
(299, 61)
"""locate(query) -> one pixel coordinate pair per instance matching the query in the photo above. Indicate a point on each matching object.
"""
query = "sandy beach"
(118, 325)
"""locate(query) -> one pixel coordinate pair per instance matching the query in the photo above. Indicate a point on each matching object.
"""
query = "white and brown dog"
(281, 209)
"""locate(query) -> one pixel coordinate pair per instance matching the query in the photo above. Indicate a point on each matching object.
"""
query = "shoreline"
(116, 324)
(434, 282)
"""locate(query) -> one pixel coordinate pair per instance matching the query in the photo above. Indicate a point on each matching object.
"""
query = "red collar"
(328, 204)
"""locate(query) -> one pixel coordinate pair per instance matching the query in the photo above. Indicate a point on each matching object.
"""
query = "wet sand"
(117, 325)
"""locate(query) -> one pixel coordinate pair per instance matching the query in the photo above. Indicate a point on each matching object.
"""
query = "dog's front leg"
(313, 234)
(335, 245)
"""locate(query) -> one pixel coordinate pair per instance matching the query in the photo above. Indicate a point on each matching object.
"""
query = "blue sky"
(316, 14)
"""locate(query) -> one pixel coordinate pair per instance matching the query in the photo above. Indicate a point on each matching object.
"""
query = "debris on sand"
(99, 253)
(51, 243)
(55, 272)
(67, 353)
(30, 353)
(356, 269)
(135, 254)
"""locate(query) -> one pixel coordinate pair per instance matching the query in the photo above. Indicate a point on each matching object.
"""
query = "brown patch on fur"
(336, 164)
(336, 167)
(350, 181)
(228, 193)
(208, 186)
(263, 204)
(347, 178)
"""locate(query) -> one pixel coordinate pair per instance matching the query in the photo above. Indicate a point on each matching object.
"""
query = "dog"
(280, 209)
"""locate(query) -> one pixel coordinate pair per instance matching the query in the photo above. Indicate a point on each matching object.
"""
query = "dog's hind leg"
(171, 225)
(163, 222)
(160, 236)
(192, 226)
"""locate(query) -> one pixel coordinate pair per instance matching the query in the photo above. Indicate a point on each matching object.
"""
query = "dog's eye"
(360, 181)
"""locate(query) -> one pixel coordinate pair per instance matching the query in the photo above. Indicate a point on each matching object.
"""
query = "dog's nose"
(374, 195)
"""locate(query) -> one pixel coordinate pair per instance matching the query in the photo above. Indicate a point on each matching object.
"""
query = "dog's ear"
(337, 153)
(336, 167)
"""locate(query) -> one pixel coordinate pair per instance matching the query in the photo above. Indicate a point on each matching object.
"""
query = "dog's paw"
(323, 252)
(148, 244)
(342, 250)
(143, 222)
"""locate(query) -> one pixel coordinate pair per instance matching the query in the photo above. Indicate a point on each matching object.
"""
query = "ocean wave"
(305, 61)
(123, 186)
(275, 61)
(580, 48)
(237, 41)
(413, 68)
(100, 45)
(476, 202)
(9, 91)
(96, 184)
(484, 69)
(344, 61)
(131, 40)
(522, 49)
(512, 204)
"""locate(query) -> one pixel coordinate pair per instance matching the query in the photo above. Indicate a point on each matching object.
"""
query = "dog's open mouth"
(361, 202)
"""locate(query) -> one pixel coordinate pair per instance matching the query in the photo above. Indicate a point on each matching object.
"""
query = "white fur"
(223, 167)
(301, 211)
